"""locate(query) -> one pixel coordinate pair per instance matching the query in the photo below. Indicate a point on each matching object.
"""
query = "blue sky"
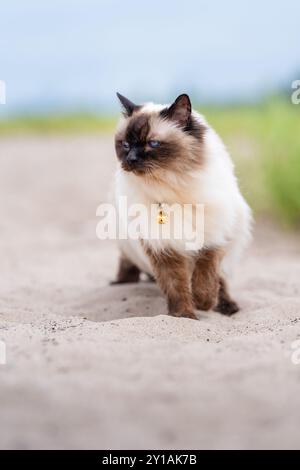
(74, 54)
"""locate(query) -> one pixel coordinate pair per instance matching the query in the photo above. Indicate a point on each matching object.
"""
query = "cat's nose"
(132, 157)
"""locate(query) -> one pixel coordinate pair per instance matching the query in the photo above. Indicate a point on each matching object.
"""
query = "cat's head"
(152, 138)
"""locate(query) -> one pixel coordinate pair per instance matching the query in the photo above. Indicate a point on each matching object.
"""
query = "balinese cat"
(168, 154)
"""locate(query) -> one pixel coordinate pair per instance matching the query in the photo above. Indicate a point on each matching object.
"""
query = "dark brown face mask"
(135, 150)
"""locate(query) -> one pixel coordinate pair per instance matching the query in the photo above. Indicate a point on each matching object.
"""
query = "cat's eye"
(154, 143)
(126, 145)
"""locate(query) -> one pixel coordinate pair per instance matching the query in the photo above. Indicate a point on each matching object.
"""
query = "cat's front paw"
(206, 302)
(184, 314)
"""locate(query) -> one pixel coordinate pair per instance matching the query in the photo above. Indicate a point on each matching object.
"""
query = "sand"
(96, 366)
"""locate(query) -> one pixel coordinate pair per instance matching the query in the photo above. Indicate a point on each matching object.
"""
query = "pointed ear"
(128, 105)
(180, 110)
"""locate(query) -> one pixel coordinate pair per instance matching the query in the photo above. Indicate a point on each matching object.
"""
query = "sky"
(75, 54)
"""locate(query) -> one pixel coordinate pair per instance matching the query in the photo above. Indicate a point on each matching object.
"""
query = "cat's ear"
(128, 106)
(180, 110)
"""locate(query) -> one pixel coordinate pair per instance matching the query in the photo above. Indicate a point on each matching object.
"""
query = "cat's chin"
(142, 171)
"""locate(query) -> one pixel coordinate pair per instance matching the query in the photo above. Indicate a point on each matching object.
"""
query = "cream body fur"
(227, 217)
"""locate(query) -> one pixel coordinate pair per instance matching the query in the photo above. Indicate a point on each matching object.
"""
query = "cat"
(168, 154)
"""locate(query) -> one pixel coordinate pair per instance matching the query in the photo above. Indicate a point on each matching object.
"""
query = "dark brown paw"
(127, 281)
(187, 314)
(227, 307)
(205, 304)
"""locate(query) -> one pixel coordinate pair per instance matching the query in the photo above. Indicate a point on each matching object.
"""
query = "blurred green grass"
(263, 139)
(57, 124)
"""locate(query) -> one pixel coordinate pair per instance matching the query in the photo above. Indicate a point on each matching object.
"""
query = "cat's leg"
(172, 275)
(205, 279)
(127, 272)
(226, 304)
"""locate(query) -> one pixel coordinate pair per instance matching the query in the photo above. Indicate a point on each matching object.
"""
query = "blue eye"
(126, 145)
(154, 143)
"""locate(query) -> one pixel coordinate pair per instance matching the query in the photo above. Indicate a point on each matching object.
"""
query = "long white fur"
(228, 218)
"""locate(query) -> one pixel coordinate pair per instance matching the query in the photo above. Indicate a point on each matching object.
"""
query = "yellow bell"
(161, 217)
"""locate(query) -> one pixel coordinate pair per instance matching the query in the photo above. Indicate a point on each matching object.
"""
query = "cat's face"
(152, 138)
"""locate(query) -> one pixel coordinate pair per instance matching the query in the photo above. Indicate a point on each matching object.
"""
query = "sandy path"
(92, 366)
